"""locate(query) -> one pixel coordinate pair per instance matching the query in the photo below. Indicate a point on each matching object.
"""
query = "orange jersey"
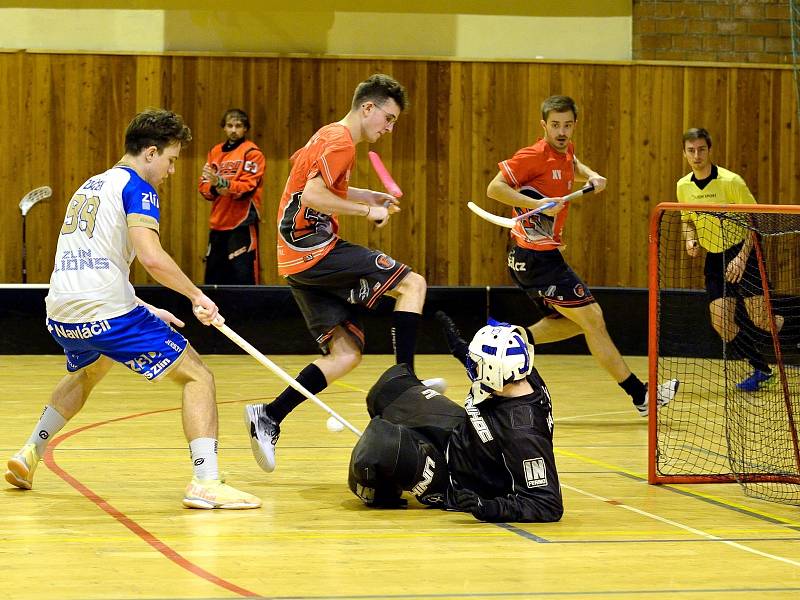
(243, 167)
(305, 235)
(540, 171)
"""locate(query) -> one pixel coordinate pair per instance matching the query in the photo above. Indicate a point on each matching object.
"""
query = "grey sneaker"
(264, 433)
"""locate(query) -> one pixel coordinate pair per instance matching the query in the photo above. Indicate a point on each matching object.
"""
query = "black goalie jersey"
(421, 442)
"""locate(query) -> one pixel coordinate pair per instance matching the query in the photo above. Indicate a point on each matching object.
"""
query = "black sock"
(634, 387)
(311, 378)
(741, 347)
(404, 336)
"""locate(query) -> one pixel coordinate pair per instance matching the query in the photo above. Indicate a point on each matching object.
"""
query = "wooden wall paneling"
(205, 134)
(626, 170)
(603, 229)
(747, 145)
(337, 86)
(494, 113)
(764, 125)
(46, 157)
(464, 118)
(150, 84)
(773, 138)
(404, 153)
(420, 172)
(454, 235)
(666, 162)
(267, 108)
(459, 173)
(14, 171)
(788, 140)
(178, 236)
(592, 224)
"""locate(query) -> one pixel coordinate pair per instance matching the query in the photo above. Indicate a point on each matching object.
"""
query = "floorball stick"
(383, 175)
(506, 222)
(252, 351)
(509, 222)
(28, 200)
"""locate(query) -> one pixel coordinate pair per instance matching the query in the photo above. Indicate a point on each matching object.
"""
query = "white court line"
(684, 527)
(601, 414)
(24, 286)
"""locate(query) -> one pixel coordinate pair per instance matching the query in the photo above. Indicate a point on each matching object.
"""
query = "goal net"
(733, 346)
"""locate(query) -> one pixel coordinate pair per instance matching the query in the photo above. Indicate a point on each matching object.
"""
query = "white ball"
(334, 424)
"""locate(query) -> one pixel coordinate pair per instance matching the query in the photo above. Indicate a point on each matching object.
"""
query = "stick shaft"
(576, 194)
(293, 383)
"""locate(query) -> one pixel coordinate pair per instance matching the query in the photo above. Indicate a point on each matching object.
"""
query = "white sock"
(50, 423)
(204, 458)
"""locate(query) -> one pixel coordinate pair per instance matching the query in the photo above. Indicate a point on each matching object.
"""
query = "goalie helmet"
(498, 355)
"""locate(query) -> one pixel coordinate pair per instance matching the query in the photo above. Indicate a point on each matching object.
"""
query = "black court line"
(521, 532)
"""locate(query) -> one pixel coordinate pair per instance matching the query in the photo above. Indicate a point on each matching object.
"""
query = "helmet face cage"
(498, 355)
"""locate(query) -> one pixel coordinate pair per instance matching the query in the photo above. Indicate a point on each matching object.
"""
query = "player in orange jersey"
(548, 169)
(328, 276)
(232, 180)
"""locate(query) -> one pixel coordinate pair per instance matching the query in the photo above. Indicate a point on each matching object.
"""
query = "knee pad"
(390, 459)
(390, 386)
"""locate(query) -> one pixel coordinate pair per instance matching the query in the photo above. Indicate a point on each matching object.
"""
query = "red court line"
(137, 529)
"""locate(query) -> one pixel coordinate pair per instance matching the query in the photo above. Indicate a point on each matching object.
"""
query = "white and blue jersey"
(91, 307)
(91, 276)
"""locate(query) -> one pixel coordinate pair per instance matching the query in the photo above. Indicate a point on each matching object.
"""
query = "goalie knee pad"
(391, 385)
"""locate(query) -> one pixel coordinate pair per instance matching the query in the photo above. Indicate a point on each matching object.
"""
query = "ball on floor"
(334, 424)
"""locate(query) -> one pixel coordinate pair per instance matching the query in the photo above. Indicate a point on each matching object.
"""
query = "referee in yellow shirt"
(731, 268)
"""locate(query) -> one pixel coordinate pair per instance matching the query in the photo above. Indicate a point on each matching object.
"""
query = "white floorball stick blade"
(491, 217)
(34, 196)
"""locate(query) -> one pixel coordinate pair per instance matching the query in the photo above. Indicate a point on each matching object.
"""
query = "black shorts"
(546, 277)
(232, 258)
(714, 271)
(349, 276)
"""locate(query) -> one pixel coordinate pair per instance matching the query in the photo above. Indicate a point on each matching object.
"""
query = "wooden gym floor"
(104, 519)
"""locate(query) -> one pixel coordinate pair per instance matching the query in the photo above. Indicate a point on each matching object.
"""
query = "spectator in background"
(232, 180)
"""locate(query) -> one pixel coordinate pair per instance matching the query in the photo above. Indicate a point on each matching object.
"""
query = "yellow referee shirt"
(725, 187)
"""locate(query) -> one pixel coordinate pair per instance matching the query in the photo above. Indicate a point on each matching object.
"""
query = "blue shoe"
(755, 382)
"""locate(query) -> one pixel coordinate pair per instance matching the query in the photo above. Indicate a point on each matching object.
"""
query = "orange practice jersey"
(550, 173)
(305, 235)
(243, 167)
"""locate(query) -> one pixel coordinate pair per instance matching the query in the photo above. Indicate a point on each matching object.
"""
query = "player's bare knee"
(413, 285)
(589, 317)
(349, 360)
(192, 369)
(205, 376)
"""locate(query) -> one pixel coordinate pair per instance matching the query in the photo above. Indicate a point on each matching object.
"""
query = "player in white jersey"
(94, 314)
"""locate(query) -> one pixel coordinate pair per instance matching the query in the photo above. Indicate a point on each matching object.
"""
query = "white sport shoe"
(21, 467)
(214, 493)
(264, 433)
(664, 394)
(436, 383)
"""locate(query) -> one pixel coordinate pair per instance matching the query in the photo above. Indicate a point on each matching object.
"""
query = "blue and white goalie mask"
(498, 355)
